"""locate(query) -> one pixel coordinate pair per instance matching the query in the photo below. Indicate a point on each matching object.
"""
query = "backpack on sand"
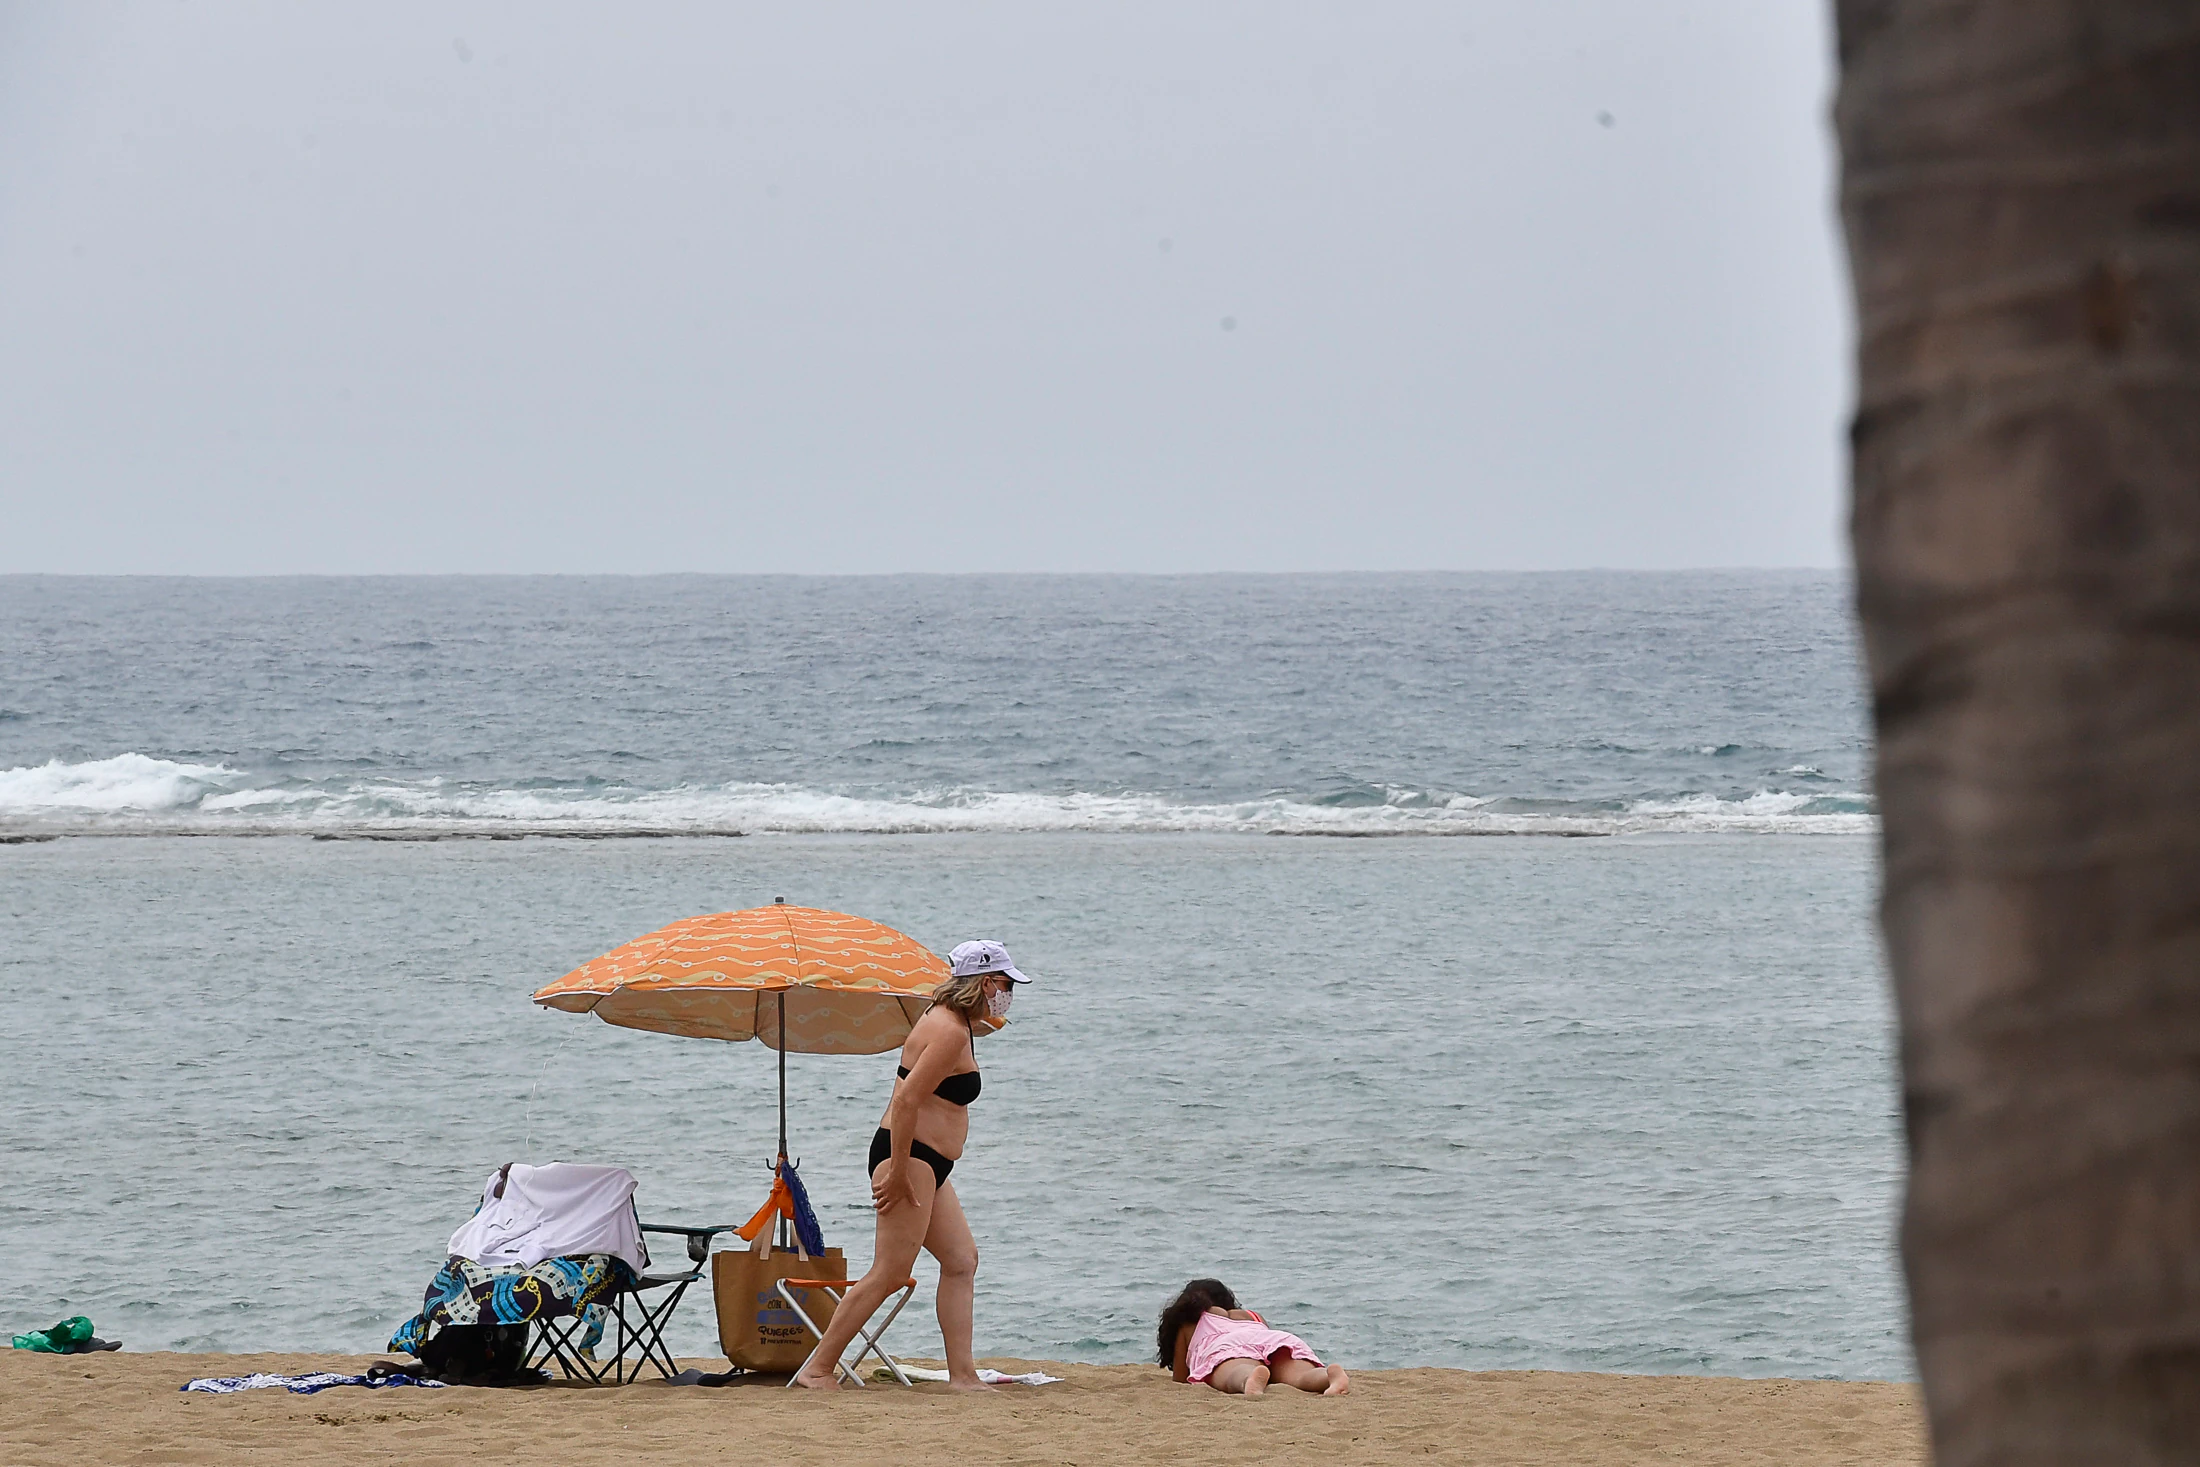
(478, 1354)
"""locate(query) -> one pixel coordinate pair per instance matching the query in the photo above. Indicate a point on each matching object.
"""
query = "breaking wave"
(137, 794)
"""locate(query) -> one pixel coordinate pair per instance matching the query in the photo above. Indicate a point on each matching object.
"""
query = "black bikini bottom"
(882, 1146)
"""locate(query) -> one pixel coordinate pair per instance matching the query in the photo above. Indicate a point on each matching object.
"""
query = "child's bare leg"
(1240, 1377)
(1285, 1368)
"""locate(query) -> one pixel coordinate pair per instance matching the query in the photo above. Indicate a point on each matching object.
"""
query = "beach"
(1575, 1058)
(1655, 1139)
(127, 1408)
(547, 712)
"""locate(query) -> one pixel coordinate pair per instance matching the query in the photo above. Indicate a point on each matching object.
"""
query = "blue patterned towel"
(466, 1292)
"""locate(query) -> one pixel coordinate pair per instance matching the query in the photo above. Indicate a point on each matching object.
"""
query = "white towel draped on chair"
(556, 1210)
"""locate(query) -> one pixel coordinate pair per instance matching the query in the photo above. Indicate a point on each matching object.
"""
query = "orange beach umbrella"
(798, 978)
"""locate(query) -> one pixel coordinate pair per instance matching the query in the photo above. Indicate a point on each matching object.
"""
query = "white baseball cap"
(982, 956)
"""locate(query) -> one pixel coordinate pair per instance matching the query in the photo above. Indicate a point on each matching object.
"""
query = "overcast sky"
(1125, 286)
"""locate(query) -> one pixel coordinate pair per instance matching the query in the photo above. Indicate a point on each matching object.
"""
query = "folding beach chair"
(634, 1339)
(785, 1289)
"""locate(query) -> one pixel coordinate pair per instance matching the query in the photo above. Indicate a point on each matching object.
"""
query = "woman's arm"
(891, 1189)
(1178, 1367)
(924, 1076)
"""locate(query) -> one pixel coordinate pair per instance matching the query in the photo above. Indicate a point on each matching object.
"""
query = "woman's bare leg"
(950, 1242)
(893, 1252)
(1240, 1377)
(1288, 1369)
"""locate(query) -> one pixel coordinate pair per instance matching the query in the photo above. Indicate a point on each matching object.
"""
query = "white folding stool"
(838, 1288)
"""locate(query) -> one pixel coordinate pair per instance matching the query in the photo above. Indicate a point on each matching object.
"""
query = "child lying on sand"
(1206, 1337)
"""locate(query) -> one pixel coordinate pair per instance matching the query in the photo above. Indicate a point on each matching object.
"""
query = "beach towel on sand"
(466, 1292)
(305, 1385)
(988, 1377)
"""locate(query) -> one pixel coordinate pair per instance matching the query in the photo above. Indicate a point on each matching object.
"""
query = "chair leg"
(786, 1297)
(649, 1332)
(870, 1336)
(555, 1342)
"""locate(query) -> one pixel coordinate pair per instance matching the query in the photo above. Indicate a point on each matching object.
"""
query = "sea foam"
(124, 784)
(136, 793)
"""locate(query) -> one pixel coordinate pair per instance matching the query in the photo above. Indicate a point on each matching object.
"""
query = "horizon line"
(943, 575)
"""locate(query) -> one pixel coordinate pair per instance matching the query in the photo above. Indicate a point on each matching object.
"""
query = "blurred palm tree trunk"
(2021, 189)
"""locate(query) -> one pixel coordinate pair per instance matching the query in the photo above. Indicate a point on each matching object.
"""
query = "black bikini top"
(955, 1089)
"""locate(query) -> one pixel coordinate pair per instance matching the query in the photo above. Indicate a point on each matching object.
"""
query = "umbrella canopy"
(798, 978)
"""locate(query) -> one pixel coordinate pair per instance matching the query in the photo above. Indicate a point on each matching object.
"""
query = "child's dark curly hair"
(1198, 1297)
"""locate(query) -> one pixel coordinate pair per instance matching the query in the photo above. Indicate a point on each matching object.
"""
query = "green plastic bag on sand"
(58, 1340)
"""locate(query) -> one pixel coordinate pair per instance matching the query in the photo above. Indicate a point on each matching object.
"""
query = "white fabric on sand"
(985, 1375)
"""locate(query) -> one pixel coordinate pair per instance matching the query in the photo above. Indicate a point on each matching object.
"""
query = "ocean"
(1587, 1065)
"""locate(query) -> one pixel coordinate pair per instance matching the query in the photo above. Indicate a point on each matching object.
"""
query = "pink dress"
(1217, 1338)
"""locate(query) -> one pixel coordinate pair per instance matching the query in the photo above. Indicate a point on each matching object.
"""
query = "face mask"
(997, 1004)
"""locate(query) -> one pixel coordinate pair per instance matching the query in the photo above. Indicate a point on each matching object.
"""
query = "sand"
(126, 1408)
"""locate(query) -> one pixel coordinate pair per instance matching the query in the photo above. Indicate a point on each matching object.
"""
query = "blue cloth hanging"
(805, 1218)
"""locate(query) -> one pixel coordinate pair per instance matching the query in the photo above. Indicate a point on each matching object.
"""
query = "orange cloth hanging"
(779, 1204)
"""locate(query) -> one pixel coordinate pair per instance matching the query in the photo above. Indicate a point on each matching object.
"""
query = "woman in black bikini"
(919, 1140)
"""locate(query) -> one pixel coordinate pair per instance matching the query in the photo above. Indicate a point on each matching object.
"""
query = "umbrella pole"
(782, 1228)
